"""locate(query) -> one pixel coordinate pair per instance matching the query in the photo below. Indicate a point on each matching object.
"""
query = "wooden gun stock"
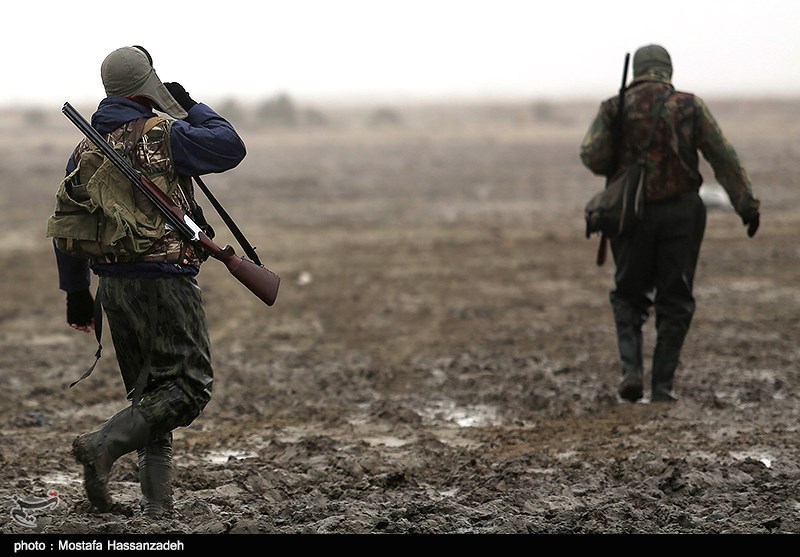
(256, 278)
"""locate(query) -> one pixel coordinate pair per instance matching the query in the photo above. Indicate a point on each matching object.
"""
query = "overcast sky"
(397, 50)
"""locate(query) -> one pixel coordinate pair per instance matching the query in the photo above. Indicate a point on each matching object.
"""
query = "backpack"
(99, 212)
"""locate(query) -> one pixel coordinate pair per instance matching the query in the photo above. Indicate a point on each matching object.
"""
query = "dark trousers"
(158, 327)
(655, 267)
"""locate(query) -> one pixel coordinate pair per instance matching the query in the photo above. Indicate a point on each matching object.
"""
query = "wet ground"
(441, 356)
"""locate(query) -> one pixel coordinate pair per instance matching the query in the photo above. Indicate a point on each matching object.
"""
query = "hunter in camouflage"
(656, 262)
(688, 126)
(151, 298)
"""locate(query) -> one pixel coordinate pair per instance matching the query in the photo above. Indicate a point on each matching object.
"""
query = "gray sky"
(400, 50)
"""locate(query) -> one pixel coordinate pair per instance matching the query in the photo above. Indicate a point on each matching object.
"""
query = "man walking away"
(656, 261)
(151, 299)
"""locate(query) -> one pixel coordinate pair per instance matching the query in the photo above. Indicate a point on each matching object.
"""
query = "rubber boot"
(97, 451)
(665, 361)
(629, 342)
(155, 476)
(630, 348)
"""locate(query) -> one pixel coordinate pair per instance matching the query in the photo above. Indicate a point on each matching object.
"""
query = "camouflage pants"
(159, 325)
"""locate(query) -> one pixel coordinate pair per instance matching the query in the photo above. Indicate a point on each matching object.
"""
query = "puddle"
(386, 441)
(444, 411)
(61, 478)
(463, 416)
(763, 458)
(567, 456)
(221, 457)
(296, 434)
(714, 196)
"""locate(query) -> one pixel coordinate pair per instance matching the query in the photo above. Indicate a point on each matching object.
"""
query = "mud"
(441, 356)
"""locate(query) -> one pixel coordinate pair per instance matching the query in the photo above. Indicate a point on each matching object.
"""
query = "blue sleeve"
(204, 143)
(73, 272)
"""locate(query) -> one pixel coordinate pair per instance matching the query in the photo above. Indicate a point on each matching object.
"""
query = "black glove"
(179, 94)
(752, 222)
(80, 308)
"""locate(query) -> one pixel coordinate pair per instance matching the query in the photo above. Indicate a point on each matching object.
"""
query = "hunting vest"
(672, 161)
(102, 216)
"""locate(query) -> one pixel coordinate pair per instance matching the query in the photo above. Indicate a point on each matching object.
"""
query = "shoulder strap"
(140, 128)
(152, 123)
(249, 250)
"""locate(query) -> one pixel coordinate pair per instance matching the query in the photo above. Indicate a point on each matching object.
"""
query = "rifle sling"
(98, 333)
(248, 249)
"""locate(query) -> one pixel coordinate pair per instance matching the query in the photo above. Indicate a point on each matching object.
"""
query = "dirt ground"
(441, 356)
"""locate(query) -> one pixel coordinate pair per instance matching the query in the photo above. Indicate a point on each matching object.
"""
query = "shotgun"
(258, 279)
(603, 247)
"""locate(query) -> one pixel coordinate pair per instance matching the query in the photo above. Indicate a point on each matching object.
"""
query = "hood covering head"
(652, 62)
(128, 72)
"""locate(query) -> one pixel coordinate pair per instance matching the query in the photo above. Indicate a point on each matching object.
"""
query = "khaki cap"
(127, 72)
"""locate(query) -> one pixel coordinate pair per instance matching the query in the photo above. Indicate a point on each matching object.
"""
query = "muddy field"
(441, 357)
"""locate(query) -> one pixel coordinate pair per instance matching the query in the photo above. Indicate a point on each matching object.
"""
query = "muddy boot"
(155, 476)
(665, 361)
(629, 342)
(631, 388)
(97, 451)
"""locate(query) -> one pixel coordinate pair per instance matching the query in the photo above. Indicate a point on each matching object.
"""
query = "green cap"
(652, 61)
(127, 72)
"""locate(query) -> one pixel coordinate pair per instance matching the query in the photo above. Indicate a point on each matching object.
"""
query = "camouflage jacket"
(685, 126)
